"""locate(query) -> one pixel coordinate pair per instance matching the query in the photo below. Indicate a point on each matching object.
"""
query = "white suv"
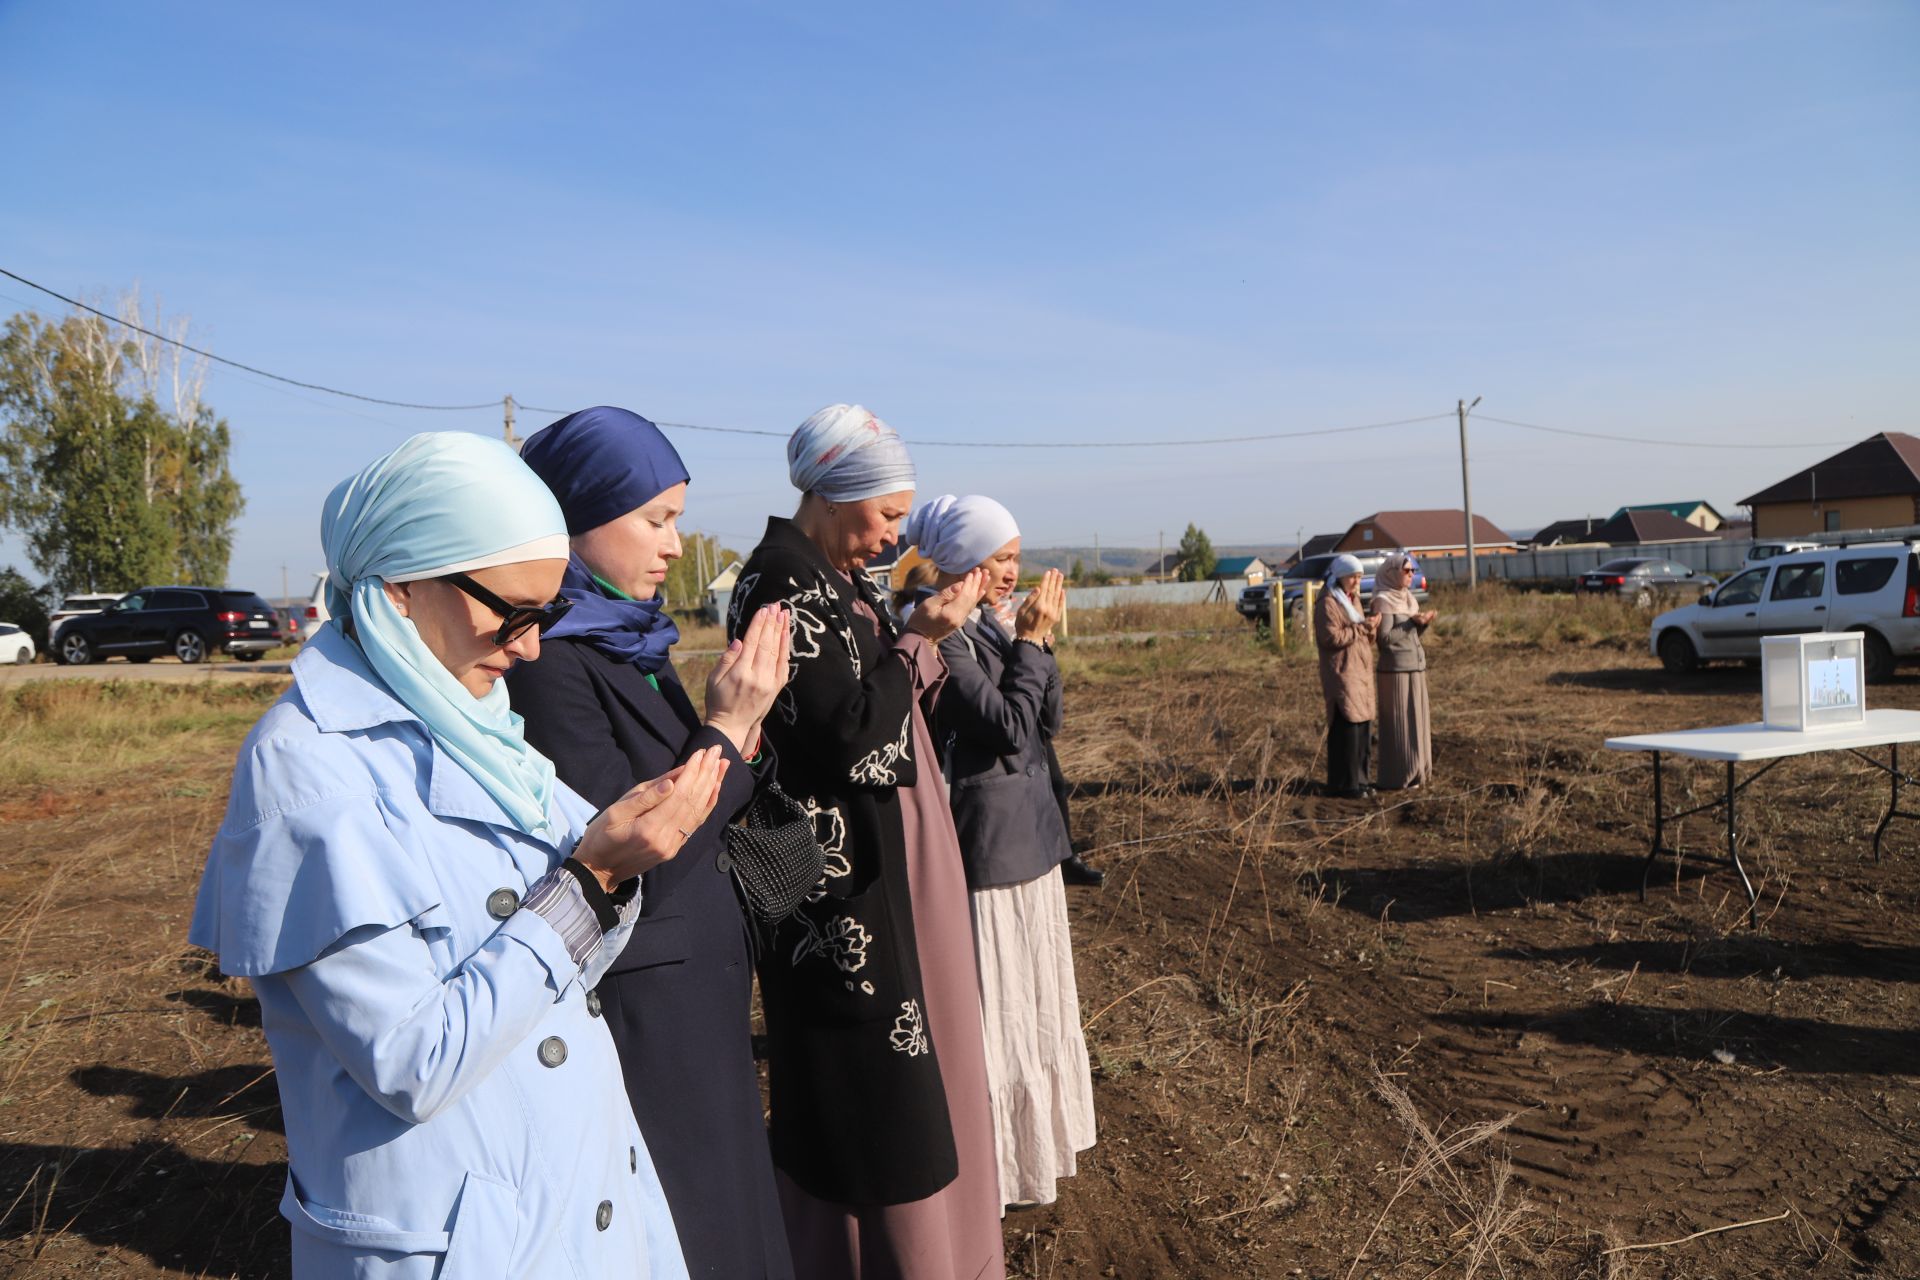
(1871, 587)
(76, 606)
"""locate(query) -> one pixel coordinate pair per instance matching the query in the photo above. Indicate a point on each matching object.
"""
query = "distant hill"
(1131, 562)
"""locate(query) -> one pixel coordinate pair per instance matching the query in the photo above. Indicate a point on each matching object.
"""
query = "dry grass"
(61, 732)
(1126, 619)
(1496, 613)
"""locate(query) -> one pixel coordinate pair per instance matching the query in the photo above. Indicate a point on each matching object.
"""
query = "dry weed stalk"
(1487, 1215)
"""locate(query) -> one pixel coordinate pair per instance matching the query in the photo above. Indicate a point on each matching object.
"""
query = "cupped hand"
(749, 676)
(1042, 608)
(648, 825)
(939, 616)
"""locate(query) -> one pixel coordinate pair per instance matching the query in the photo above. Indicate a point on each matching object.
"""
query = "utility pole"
(1466, 495)
(1160, 565)
(513, 441)
(1096, 555)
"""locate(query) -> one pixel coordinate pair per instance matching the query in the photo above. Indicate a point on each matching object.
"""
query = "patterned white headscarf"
(845, 454)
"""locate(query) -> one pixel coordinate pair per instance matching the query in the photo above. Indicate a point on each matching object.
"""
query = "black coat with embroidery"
(858, 1112)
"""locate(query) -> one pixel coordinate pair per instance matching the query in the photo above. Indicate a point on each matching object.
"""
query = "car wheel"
(23, 657)
(1677, 653)
(1643, 599)
(1879, 657)
(190, 648)
(75, 651)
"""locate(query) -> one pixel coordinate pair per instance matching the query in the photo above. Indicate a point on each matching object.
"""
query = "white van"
(1871, 587)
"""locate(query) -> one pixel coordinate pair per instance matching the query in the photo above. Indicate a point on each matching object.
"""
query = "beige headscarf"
(1393, 585)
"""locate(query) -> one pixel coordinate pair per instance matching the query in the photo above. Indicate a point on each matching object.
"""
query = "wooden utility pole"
(1466, 495)
(513, 441)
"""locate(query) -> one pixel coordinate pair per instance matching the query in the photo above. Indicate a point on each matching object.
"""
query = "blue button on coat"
(427, 1136)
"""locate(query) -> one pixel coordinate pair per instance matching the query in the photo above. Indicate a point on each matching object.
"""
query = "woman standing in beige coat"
(1406, 744)
(1346, 639)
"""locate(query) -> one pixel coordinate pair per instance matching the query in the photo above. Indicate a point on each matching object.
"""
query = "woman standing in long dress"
(423, 909)
(881, 1127)
(1001, 705)
(606, 705)
(1345, 637)
(1406, 741)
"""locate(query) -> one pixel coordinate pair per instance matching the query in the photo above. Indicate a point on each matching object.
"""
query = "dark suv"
(187, 622)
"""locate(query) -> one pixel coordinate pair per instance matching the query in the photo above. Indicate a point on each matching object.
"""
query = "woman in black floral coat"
(881, 1129)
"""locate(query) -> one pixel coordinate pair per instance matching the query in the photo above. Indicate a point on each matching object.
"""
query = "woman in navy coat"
(607, 707)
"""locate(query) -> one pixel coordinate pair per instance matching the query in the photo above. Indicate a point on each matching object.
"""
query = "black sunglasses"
(515, 618)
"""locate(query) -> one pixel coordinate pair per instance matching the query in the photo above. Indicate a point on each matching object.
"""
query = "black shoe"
(1074, 871)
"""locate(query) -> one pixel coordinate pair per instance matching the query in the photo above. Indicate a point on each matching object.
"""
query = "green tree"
(111, 485)
(1079, 573)
(24, 605)
(1197, 560)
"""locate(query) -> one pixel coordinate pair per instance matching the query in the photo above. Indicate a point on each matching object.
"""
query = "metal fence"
(1226, 589)
(1557, 565)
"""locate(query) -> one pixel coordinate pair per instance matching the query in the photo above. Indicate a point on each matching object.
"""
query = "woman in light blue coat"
(423, 910)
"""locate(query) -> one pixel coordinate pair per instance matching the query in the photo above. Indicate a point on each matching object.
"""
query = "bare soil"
(1438, 1034)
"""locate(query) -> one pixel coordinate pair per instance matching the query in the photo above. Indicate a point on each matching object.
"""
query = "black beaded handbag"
(777, 859)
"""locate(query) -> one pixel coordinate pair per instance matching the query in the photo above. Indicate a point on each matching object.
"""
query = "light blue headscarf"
(443, 502)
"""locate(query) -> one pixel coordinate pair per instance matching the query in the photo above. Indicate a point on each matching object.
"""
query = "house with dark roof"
(1871, 485)
(1635, 526)
(1252, 568)
(1698, 513)
(1165, 569)
(1562, 533)
(1318, 545)
(1426, 533)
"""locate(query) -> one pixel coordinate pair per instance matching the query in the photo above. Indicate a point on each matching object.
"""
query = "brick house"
(1871, 485)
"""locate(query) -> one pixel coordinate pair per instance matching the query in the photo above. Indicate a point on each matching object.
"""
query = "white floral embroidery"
(738, 604)
(875, 769)
(909, 1031)
(844, 941)
(830, 833)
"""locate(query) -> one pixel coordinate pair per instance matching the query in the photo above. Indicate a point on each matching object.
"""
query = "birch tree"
(111, 463)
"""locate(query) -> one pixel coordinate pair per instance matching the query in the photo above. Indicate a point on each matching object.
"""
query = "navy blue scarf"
(626, 630)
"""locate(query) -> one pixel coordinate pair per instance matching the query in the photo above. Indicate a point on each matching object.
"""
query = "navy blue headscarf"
(602, 463)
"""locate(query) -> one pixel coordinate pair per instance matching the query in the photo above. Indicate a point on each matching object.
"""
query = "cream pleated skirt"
(1037, 1072)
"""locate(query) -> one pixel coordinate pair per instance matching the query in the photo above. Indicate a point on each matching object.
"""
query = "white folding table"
(1737, 744)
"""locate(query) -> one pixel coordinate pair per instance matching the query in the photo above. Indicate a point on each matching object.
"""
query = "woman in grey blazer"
(999, 710)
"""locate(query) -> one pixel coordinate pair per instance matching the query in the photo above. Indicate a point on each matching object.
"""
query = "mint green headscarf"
(443, 502)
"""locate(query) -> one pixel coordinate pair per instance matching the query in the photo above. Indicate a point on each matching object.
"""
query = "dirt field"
(1435, 1035)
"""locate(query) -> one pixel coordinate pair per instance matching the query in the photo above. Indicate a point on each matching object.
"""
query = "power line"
(1678, 444)
(208, 355)
(931, 444)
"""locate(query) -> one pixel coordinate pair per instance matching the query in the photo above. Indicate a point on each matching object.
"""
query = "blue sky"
(1007, 221)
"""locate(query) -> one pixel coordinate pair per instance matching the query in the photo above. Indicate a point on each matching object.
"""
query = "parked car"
(1762, 551)
(1872, 588)
(1255, 600)
(74, 606)
(1644, 580)
(315, 615)
(15, 644)
(188, 622)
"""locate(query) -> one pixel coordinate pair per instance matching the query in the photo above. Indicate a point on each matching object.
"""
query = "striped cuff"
(556, 898)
